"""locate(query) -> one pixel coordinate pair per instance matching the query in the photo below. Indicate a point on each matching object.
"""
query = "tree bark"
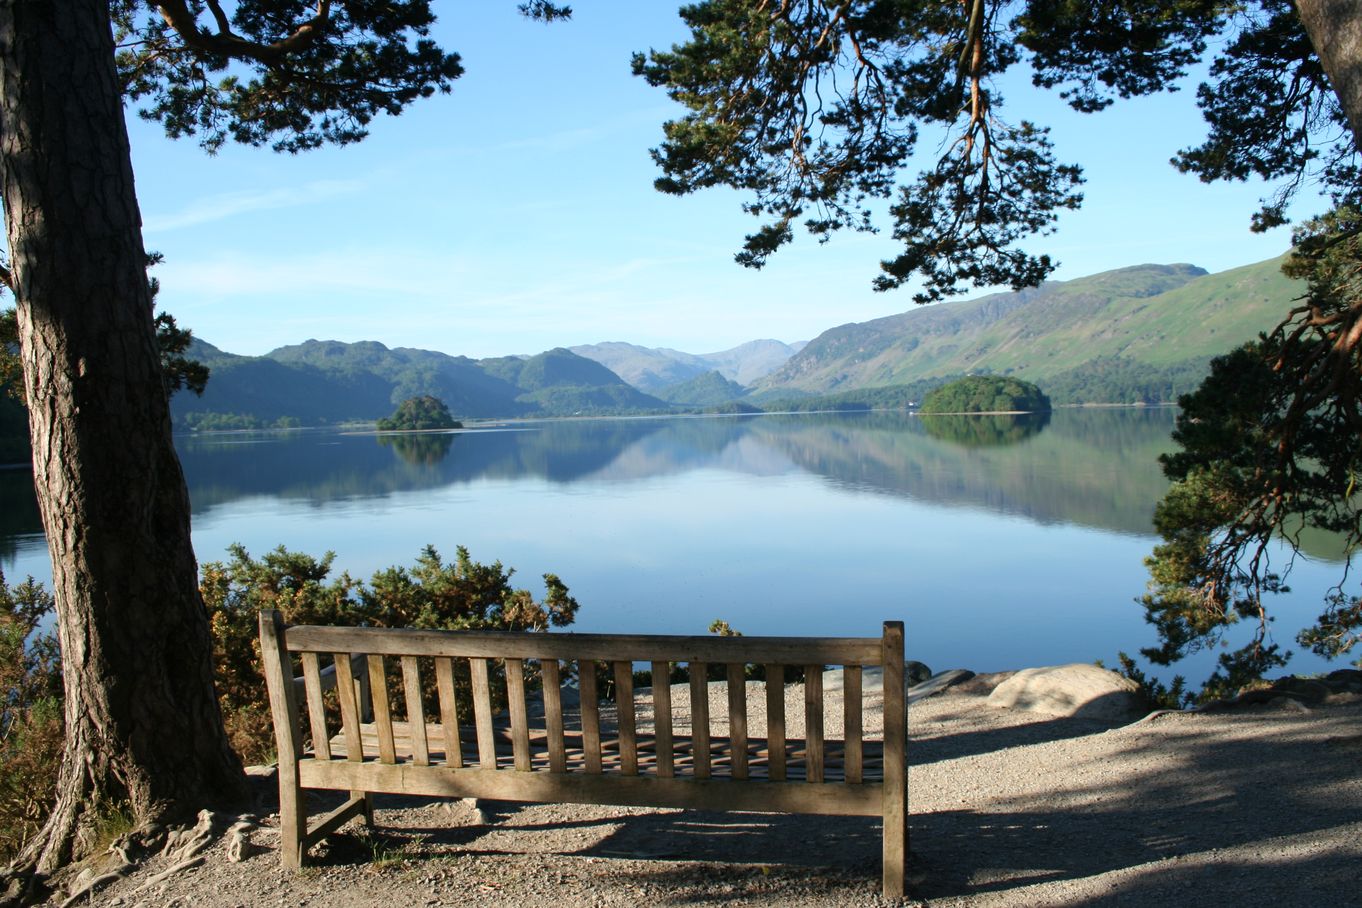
(144, 733)
(1335, 29)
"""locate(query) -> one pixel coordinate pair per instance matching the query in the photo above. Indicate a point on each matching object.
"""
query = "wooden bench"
(637, 764)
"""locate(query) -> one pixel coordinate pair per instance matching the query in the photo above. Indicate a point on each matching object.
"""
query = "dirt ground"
(1009, 809)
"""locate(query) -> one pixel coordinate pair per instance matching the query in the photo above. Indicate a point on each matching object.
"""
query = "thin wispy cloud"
(231, 204)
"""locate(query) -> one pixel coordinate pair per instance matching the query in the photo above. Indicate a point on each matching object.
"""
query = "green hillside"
(705, 390)
(320, 382)
(1150, 328)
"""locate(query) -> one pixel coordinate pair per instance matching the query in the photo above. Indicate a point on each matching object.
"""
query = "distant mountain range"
(1144, 333)
(652, 369)
(1140, 333)
(330, 382)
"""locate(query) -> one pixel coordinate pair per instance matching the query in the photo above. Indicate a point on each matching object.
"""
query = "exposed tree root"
(184, 847)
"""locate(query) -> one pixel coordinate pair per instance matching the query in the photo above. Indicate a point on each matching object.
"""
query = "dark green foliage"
(430, 594)
(986, 430)
(30, 712)
(11, 370)
(14, 446)
(706, 390)
(1269, 449)
(985, 394)
(1273, 114)
(290, 74)
(814, 111)
(889, 397)
(1158, 695)
(428, 450)
(1121, 380)
(734, 407)
(419, 413)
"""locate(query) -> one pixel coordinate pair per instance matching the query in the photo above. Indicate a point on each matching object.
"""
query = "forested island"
(986, 394)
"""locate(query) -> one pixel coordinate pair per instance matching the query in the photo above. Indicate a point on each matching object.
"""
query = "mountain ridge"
(1160, 318)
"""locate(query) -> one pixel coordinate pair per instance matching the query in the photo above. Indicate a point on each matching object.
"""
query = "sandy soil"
(1009, 809)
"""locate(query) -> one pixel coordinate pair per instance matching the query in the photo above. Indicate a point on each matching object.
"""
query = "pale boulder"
(1079, 690)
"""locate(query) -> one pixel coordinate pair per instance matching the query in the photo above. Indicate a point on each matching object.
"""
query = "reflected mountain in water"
(990, 430)
(1096, 468)
(428, 449)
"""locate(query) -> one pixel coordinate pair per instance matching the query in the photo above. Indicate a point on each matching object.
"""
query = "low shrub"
(431, 594)
(30, 712)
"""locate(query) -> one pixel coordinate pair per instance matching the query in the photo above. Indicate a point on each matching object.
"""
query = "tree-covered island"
(986, 394)
(416, 414)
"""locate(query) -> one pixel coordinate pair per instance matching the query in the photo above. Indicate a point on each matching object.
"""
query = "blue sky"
(518, 213)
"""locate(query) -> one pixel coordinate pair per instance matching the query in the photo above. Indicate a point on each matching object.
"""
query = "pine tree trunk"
(1335, 29)
(143, 729)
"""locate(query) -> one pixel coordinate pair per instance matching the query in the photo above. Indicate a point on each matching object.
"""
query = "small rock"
(915, 672)
(1079, 690)
(938, 683)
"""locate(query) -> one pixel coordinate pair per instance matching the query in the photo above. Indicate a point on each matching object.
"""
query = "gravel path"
(1009, 809)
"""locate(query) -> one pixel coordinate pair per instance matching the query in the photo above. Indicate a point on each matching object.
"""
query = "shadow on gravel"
(922, 751)
(1189, 815)
(1199, 795)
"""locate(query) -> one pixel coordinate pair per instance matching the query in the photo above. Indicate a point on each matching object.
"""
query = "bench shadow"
(1206, 825)
(924, 750)
(1211, 826)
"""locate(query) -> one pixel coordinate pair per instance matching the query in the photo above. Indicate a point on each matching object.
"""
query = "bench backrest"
(349, 659)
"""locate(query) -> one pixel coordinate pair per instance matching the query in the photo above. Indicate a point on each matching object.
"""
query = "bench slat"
(449, 711)
(383, 718)
(594, 647)
(416, 712)
(737, 717)
(350, 716)
(720, 752)
(662, 718)
(895, 803)
(520, 723)
(624, 700)
(591, 715)
(699, 718)
(553, 714)
(775, 721)
(316, 712)
(813, 722)
(482, 713)
(851, 721)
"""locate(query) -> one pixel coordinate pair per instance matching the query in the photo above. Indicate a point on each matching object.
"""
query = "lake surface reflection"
(1001, 541)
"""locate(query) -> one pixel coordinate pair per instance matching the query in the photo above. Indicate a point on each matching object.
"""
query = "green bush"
(430, 594)
(30, 713)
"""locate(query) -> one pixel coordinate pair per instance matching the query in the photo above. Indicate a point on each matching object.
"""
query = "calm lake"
(1002, 542)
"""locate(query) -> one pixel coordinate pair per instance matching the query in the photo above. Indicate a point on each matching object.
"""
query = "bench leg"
(895, 852)
(368, 815)
(292, 820)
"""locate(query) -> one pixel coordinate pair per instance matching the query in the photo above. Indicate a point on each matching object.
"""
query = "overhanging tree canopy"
(812, 107)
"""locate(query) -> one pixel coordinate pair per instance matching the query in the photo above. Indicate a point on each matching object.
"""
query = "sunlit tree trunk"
(1335, 29)
(143, 729)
